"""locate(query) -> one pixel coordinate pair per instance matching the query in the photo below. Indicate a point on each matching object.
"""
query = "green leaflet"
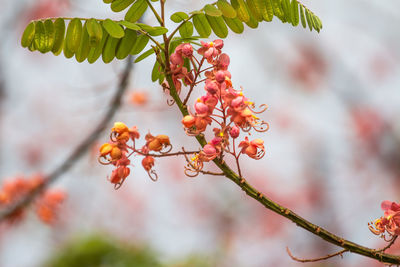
(287, 10)
(108, 1)
(241, 10)
(315, 21)
(277, 9)
(252, 23)
(126, 44)
(95, 32)
(49, 32)
(109, 49)
(179, 17)
(309, 21)
(155, 73)
(186, 30)
(119, 5)
(67, 53)
(136, 11)
(95, 52)
(140, 44)
(234, 24)
(202, 26)
(39, 39)
(59, 28)
(255, 10)
(84, 47)
(295, 12)
(74, 34)
(157, 30)
(218, 26)
(269, 15)
(27, 36)
(145, 27)
(113, 28)
(130, 25)
(303, 19)
(226, 9)
(211, 10)
(144, 55)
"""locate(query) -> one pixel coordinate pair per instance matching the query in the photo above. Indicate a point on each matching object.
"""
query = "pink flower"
(211, 50)
(254, 149)
(208, 153)
(390, 222)
(234, 132)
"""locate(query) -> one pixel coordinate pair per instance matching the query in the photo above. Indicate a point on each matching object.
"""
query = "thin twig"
(179, 153)
(80, 150)
(339, 253)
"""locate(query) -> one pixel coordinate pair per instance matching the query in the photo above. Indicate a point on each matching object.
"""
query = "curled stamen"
(246, 128)
(153, 175)
(262, 107)
(168, 149)
(103, 162)
(262, 127)
(113, 136)
(170, 102)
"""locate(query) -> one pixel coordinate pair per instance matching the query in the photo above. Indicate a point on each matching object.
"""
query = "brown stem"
(179, 153)
(80, 150)
(316, 259)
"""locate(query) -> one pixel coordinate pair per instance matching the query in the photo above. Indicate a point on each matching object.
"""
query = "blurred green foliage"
(98, 251)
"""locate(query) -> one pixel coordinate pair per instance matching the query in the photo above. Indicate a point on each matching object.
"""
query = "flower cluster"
(118, 151)
(47, 205)
(178, 71)
(389, 222)
(224, 105)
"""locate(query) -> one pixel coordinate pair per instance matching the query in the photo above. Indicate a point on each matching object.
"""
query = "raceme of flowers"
(118, 151)
(227, 107)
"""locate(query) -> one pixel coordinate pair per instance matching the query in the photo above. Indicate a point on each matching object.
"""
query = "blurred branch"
(339, 253)
(80, 150)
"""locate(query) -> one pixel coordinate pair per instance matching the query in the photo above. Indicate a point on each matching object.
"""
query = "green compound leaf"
(95, 32)
(212, 11)
(226, 9)
(186, 30)
(109, 49)
(234, 24)
(84, 47)
(179, 17)
(140, 44)
(136, 11)
(144, 55)
(113, 28)
(59, 28)
(95, 52)
(27, 36)
(74, 34)
(126, 44)
(119, 5)
(218, 26)
(202, 26)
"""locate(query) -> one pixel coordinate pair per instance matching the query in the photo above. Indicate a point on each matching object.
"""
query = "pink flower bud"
(220, 76)
(234, 132)
(211, 87)
(216, 141)
(187, 50)
(200, 108)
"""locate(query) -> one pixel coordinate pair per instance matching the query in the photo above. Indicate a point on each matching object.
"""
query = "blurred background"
(333, 148)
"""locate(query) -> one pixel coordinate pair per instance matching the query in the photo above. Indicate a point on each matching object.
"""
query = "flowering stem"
(281, 210)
